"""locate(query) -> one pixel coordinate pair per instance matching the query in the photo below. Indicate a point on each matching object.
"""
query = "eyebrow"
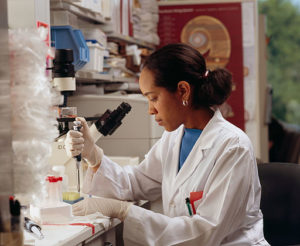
(147, 93)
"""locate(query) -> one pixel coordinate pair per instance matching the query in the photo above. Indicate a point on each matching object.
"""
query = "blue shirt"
(188, 141)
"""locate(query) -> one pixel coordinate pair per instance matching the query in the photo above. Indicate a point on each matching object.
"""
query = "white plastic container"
(62, 18)
(54, 189)
(95, 33)
(96, 58)
(60, 170)
(93, 5)
(52, 210)
(96, 6)
(57, 213)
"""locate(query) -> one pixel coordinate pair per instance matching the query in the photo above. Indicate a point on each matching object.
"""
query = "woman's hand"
(83, 143)
(108, 207)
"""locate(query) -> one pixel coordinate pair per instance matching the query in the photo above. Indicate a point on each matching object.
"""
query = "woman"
(200, 156)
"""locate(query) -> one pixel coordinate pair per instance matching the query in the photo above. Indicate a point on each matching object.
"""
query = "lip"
(159, 122)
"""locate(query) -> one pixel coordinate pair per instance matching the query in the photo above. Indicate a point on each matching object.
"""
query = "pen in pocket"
(188, 204)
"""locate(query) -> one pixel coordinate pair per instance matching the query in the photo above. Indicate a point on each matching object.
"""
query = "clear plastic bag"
(33, 117)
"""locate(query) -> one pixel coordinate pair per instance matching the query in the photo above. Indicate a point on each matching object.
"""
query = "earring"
(185, 103)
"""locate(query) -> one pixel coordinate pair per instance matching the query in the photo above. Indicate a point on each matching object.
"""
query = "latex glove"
(83, 142)
(108, 207)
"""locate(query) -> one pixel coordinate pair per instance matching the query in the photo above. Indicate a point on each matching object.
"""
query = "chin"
(170, 128)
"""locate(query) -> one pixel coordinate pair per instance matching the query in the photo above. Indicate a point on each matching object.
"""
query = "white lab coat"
(221, 164)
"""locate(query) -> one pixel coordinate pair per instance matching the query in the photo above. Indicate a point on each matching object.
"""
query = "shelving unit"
(96, 18)
(81, 12)
(84, 77)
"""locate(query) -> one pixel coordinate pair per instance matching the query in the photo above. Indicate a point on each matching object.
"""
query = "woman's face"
(164, 105)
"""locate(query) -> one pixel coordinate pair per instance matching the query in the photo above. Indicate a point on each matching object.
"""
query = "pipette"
(105, 125)
(77, 126)
(33, 228)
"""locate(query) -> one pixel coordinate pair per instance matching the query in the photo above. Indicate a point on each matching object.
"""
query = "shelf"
(130, 40)
(122, 87)
(83, 75)
(77, 10)
(90, 77)
(124, 79)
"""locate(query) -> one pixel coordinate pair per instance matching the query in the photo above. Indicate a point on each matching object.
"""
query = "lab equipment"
(33, 227)
(51, 213)
(77, 126)
(67, 112)
(57, 211)
(104, 125)
(110, 121)
(15, 212)
(52, 209)
(139, 131)
(71, 197)
(60, 172)
(54, 189)
(63, 72)
(92, 153)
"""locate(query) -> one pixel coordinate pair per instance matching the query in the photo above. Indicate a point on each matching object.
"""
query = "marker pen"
(188, 204)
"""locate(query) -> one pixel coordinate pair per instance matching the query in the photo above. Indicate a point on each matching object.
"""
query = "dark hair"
(180, 62)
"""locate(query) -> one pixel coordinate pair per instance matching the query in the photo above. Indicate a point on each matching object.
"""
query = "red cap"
(53, 179)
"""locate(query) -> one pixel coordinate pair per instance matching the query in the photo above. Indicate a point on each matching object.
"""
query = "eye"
(154, 99)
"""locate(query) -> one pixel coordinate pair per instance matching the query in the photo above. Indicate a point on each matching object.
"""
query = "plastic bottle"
(54, 189)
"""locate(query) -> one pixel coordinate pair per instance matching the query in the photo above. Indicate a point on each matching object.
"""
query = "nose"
(151, 109)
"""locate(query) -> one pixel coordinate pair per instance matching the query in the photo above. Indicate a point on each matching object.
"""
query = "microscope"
(63, 75)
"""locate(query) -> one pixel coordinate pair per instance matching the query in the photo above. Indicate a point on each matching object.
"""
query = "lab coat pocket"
(195, 198)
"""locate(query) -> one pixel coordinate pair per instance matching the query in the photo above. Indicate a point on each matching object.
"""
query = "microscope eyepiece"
(125, 107)
(110, 121)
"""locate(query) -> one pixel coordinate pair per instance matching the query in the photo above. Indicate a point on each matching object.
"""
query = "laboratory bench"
(103, 233)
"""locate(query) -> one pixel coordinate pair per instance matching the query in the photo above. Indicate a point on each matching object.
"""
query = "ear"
(184, 90)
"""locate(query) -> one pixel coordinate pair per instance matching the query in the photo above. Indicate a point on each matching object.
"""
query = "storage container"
(62, 18)
(65, 37)
(95, 33)
(96, 57)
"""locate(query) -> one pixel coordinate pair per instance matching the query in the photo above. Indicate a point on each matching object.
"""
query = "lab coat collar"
(210, 131)
(205, 141)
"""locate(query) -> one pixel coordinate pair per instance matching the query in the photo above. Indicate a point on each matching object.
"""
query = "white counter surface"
(69, 235)
(63, 235)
